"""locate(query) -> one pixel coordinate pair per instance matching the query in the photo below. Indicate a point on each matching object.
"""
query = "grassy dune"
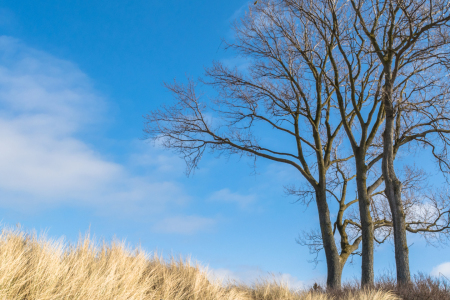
(39, 268)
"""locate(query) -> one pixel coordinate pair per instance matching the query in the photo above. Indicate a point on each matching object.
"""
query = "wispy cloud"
(46, 104)
(250, 275)
(161, 163)
(238, 13)
(225, 195)
(184, 225)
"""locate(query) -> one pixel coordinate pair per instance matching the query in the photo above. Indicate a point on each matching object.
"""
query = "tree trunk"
(334, 267)
(367, 275)
(394, 192)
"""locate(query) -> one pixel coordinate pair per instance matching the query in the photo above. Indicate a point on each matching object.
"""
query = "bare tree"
(355, 77)
(280, 92)
(187, 128)
(411, 40)
(427, 212)
(385, 58)
(313, 70)
(349, 239)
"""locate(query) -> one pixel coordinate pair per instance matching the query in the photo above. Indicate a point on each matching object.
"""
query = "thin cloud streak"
(225, 195)
(184, 225)
(252, 275)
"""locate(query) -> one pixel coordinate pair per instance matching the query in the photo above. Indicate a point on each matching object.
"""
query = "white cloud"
(442, 269)
(225, 195)
(222, 275)
(421, 211)
(162, 163)
(252, 275)
(38, 89)
(184, 224)
(45, 104)
(47, 166)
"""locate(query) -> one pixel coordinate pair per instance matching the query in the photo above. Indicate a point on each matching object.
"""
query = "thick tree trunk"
(334, 267)
(367, 275)
(394, 193)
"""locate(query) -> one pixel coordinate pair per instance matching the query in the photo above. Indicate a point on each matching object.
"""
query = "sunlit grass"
(37, 268)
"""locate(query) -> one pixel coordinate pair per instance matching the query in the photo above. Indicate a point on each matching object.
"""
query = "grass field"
(36, 268)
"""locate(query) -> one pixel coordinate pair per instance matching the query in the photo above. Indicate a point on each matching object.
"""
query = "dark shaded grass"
(423, 287)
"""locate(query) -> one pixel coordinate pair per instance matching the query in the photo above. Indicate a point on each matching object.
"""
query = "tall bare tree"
(355, 77)
(311, 73)
(427, 212)
(382, 53)
(411, 40)
(281, 92)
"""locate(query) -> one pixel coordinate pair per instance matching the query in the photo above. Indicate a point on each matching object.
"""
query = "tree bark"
(334, 266)
(367, 274)
(394, 191)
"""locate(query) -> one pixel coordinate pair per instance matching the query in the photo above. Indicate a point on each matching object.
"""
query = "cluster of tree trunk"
(344, 86)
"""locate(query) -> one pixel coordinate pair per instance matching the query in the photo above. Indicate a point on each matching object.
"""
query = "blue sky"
(76, 77)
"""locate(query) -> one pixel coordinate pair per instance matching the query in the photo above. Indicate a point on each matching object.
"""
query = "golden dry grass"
(33, 268)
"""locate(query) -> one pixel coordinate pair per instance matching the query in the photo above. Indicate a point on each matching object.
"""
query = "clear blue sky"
(76, 78)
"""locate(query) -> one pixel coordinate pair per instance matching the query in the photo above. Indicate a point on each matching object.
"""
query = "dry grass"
(273, 290)
(423, 287)
(33, 268)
